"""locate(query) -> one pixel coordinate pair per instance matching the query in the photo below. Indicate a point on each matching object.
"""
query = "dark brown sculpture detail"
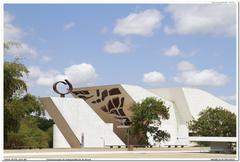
(69, 90)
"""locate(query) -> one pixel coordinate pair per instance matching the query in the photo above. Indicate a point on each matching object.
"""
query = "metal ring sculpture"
(69, 90)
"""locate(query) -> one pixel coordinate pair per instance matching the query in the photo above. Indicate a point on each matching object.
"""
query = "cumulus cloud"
(80, 74)
(115, 47)
(185, 66)
(189, 75)
(172, 51)
(202, 18)
(22, 50)
(40, 77)
(12, 33)
(153, 77)
(69, 26)
(141, 23)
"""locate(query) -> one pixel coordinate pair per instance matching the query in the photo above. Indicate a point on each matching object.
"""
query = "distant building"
(92, 118)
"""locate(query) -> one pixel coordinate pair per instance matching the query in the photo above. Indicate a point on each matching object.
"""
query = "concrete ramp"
(79, 124)
(61, 121)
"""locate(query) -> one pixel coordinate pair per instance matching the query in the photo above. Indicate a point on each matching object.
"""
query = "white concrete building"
(93, 116)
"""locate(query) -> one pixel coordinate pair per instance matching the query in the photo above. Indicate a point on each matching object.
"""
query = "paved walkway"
(100, 152)
(187, 153)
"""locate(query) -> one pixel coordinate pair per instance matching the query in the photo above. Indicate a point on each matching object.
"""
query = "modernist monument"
(94, 115)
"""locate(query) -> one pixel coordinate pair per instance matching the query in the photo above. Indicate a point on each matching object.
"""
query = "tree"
(23, 121)
(8, 44)
(14, 71)
(44, 124)
(29, 134)
(14, 85)
(19, 107)
(214, 122)
(146, 119)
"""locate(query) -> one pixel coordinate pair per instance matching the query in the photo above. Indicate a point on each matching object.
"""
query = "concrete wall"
(76, 120)
(84, 122)
(110, 102)
(58, 139)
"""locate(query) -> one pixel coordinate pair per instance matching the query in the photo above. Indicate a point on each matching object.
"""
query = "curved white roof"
(195, 100)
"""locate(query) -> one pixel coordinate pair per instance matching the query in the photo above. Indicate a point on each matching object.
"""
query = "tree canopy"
(23, 121)
(146, 119)
(29, 134)
(14, 85)
(214, 122)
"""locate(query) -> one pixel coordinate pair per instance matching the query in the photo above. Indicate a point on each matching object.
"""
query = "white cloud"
(35, 71)
(22, 50)
(11, 32)
(69, 26)
(40, 77)
(202, 18)
(46, 59)
(231, 98)
(81, 74)
(115, 47)
(141, 23)
(15, 34)
(153, 77)
(185, 66)
(172, 51)
(49, 78)
(8, 18)
(207, 77)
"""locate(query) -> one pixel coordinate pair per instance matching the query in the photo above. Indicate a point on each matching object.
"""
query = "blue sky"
(152, 46)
